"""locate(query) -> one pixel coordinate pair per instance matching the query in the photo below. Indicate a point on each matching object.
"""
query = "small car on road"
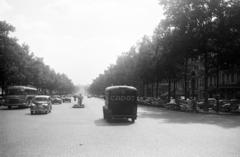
(56, 100)
(41, 104)
(120, 103)
(66, 99)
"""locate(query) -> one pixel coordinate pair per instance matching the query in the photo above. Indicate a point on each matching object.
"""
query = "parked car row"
(224, 105)
(232, 105)
(150, 101)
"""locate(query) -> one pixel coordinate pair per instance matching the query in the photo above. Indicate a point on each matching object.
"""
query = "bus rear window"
(41, 99)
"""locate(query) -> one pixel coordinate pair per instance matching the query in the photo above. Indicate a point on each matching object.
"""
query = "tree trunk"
(152, 89)
(174, 89)
(185, 79)
(169, 89)
(2, 86)
(157, 88)
(206, 78)
(217, 87)
(143, 89)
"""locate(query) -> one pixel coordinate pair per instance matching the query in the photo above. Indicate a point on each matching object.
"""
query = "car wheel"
(104, 115)
(110, 119)
(133, 120)
(31, 112)
(9, 107)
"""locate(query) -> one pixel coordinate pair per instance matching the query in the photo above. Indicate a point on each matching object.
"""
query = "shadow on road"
(225, 121)
(13, 108)
(115, 122)
(36, 114)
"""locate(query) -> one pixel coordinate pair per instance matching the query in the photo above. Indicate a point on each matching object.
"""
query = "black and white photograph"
(119, 78)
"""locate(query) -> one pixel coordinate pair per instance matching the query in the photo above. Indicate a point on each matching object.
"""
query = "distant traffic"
(29, 97)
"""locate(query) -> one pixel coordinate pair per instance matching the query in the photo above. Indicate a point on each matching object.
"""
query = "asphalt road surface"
(82, 132)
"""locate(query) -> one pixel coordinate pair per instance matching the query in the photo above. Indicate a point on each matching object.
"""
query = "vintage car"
(235, 105)
(120, 103)
(172, 105)
(56, 100)
(232, 105)
(223, 106)
(211, 103)
(41, 104)
(66, 99)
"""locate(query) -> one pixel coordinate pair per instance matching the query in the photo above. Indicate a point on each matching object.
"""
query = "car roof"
(234, 100)
(42, 96)
(211, 99)
(21, 87)
(120, 87)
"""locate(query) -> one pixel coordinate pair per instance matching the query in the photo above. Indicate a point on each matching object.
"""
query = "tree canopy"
(205, 29)
(19, 66)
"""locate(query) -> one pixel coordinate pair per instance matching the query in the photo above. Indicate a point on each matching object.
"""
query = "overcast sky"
(80, 38)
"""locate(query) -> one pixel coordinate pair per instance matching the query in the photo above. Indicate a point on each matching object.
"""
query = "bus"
(19, 96)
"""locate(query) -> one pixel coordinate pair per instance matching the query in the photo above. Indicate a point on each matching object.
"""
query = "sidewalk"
(199, 111)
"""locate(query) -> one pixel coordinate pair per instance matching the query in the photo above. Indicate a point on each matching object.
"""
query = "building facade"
(224, 83)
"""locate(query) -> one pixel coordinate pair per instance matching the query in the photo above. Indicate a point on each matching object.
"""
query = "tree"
(18, 66)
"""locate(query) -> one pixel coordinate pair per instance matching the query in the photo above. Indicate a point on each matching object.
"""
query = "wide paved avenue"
(69, 132)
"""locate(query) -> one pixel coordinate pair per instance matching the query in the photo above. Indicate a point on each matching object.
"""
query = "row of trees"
(207, 30)
(18, 66)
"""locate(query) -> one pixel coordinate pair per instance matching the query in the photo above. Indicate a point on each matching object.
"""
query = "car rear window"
(41, 99)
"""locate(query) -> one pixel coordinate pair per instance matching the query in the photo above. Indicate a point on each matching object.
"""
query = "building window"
(212, 81)
(223, 79)
(220, 77)
(229, 78)
(236, 77)
(196, 83)
(202, 82)
(232, 78)
(226, 79)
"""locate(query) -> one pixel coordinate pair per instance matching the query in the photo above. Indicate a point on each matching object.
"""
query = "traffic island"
(78, 106)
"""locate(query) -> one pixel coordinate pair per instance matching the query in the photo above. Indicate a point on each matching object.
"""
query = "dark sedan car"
(66, 99)
(56, 100)
(41, 104)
